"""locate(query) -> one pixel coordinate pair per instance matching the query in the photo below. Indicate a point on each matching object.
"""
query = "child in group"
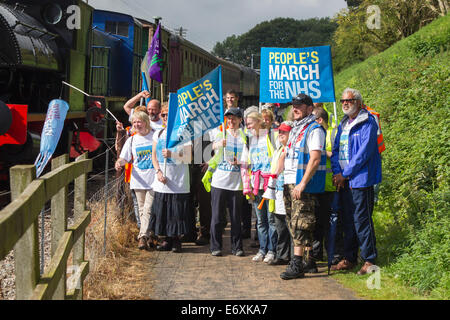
(274, 192)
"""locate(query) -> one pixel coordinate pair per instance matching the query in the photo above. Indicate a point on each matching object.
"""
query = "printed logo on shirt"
(144, 157)
(259, 159)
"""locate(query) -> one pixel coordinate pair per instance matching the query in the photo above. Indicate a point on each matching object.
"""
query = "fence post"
(26, 250)
(59, 222)
(79, 208)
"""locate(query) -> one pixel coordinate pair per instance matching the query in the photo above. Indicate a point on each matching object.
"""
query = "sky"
(211, 21)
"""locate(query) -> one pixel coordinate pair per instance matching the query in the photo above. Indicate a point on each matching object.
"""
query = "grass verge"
(119, 272)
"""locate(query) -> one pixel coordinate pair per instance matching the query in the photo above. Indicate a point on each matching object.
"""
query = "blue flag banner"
(51, 132)
(199, 109)
(145, 86)
(173, 108)
(287, 72)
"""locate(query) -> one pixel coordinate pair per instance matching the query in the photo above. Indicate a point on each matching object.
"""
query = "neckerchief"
(298, 129)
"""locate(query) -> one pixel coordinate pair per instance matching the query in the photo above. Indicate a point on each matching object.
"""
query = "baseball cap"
(302, 99)
(285, 127)
(234, 112)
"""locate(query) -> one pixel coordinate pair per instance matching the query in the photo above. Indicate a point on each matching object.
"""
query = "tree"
(279, 32)
(354, 40)
(353, 3)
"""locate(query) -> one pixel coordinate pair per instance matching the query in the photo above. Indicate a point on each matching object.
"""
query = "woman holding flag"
(226, 184)
(172, 189)
(138, 150)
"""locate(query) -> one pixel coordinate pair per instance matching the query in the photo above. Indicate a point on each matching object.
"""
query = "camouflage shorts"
(300, 217)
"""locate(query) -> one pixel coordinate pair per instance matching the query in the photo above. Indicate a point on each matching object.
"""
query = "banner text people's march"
(287, 72)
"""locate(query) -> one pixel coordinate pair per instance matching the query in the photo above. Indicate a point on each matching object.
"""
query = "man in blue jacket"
(356, 166)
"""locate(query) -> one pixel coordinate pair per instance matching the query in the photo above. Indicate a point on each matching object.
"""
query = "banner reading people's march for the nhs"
(287, 72)
(200, 109)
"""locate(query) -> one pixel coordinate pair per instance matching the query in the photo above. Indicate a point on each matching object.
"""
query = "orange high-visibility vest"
(128, 166)
(380, 140)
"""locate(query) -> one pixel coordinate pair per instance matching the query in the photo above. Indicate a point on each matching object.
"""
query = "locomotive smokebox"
(26, 43)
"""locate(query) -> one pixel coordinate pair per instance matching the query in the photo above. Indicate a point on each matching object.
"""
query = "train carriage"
(101, 54)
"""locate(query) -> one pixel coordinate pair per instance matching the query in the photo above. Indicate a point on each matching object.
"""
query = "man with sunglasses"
(356, 166)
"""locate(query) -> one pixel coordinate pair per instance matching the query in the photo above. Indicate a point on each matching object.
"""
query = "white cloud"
(210, 21)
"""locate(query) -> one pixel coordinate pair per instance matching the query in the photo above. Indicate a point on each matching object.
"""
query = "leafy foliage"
(409, 85)
(356, 39)
(280, 32)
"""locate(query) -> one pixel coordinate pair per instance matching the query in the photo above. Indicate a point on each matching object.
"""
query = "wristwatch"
(158, 171)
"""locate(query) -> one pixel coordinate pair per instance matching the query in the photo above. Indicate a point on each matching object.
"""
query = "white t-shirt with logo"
(139, 150)
(316, 141)
(228, 176)
(176, 172)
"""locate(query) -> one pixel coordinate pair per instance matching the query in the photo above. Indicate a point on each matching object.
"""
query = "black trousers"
(220, 199)
(284, 238)
(202, 199)
(246, 215)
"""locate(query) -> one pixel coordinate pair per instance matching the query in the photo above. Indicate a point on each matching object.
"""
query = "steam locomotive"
(47, 42)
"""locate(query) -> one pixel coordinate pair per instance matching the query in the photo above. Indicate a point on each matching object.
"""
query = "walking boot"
(309, 265)
(294, 270)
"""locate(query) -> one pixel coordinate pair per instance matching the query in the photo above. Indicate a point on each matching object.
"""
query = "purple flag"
(154, 57)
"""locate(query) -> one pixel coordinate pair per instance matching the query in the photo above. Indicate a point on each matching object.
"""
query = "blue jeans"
(357, 207)
(267, 232)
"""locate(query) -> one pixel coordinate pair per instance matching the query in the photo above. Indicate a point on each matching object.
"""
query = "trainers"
(294, 270)
(239, 253)
(142, 245)
(216, 253)
(270, 256)
(259, 257)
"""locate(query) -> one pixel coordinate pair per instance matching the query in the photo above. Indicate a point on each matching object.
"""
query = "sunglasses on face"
(163, 115)
(347, 100)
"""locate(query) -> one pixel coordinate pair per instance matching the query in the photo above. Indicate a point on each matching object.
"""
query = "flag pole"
(221, 110)
(162, 92)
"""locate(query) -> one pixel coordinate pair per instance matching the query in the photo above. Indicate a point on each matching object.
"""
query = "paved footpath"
(196, 275)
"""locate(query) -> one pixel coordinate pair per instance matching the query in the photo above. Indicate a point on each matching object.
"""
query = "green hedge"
(409, 84)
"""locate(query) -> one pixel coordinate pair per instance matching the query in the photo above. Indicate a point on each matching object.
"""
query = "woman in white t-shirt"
(226, 184)
(138, 150)
(259, 162)
(172, 190)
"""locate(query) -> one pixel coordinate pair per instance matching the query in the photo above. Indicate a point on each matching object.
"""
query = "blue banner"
(199, 109)
(51, 132)
(287, 72)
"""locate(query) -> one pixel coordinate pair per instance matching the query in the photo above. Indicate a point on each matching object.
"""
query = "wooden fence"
(19, 229)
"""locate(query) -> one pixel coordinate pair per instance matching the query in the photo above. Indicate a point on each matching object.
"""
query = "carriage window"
(119, 28)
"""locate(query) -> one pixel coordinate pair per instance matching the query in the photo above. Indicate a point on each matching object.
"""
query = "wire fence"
(110, 202)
